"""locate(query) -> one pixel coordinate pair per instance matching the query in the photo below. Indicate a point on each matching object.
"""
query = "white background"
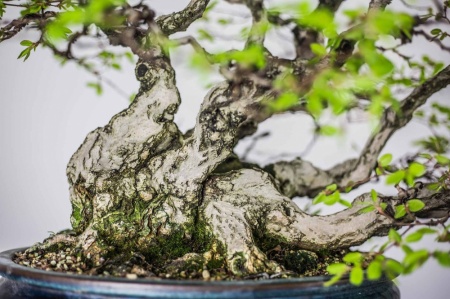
(46, 111)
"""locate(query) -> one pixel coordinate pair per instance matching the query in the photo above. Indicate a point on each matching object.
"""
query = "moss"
(167, 247)
(239, 262)
(300, 261)
(76, 216)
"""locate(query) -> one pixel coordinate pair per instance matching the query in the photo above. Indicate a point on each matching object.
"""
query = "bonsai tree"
(157, 200)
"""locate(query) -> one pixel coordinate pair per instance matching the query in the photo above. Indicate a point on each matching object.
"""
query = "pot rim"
(138, 287)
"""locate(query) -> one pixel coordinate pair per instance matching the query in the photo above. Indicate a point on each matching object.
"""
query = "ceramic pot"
(23, 282)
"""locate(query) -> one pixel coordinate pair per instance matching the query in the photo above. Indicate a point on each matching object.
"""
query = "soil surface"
(70, 260)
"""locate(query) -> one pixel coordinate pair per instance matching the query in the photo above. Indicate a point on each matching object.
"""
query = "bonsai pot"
(23, 282)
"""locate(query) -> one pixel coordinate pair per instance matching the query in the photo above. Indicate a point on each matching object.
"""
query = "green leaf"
(205, 35)
(332, 281)
(319, 198)
(415, 259)
(374, 195)
(406, 249)
(400, 211)
(374, 271)
(393, 268)
(25, 53)
(414, 237)
(417, 236)
(436, 31)
(394, 236)
(357, 276)
(442, 257)
(318, 49)
(367, 209)
(328, 130)
(284, 102)
(345, 203)
(26, 43)
(415, 205)
(353, 258)
(395, 177)
(332, 199)
(385, 160)
(337, 269)
(116, 66)
(416, 169)
(442, 160)
(2, 8)
(97, 86)
(332, 187)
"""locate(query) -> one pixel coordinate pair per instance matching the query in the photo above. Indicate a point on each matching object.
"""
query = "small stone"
(206, 274)
(53, 263)
(131, 276)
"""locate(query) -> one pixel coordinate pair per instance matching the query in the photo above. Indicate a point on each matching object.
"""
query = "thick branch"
(299, 178)
(180, 21)
(252, 196)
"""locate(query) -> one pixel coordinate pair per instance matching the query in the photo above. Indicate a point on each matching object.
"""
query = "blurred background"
(47, 110)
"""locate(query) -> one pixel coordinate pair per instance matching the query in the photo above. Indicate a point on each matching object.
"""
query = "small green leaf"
(395, 177)
(400, 211)
(332, 199)
(319, 198)
(318, 49)
(116, 66)
(357, 276)
(284, 102)
(414, 237)
(344, 203)
(374, 195)
(415, 259)
(415, 205)
(367, 209)
(393, 268)
(385, 160)
(416, 169)
(205, 35)
(394, 236)
(97, 86)
(337, 269)
(332, 187)
(353, 258)
(436, 31)
(25, 54)
(374, 270)
(26, 43)
(442, 160)
(443, 258)
(406, 249)
(328, 130)
(332, 281)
